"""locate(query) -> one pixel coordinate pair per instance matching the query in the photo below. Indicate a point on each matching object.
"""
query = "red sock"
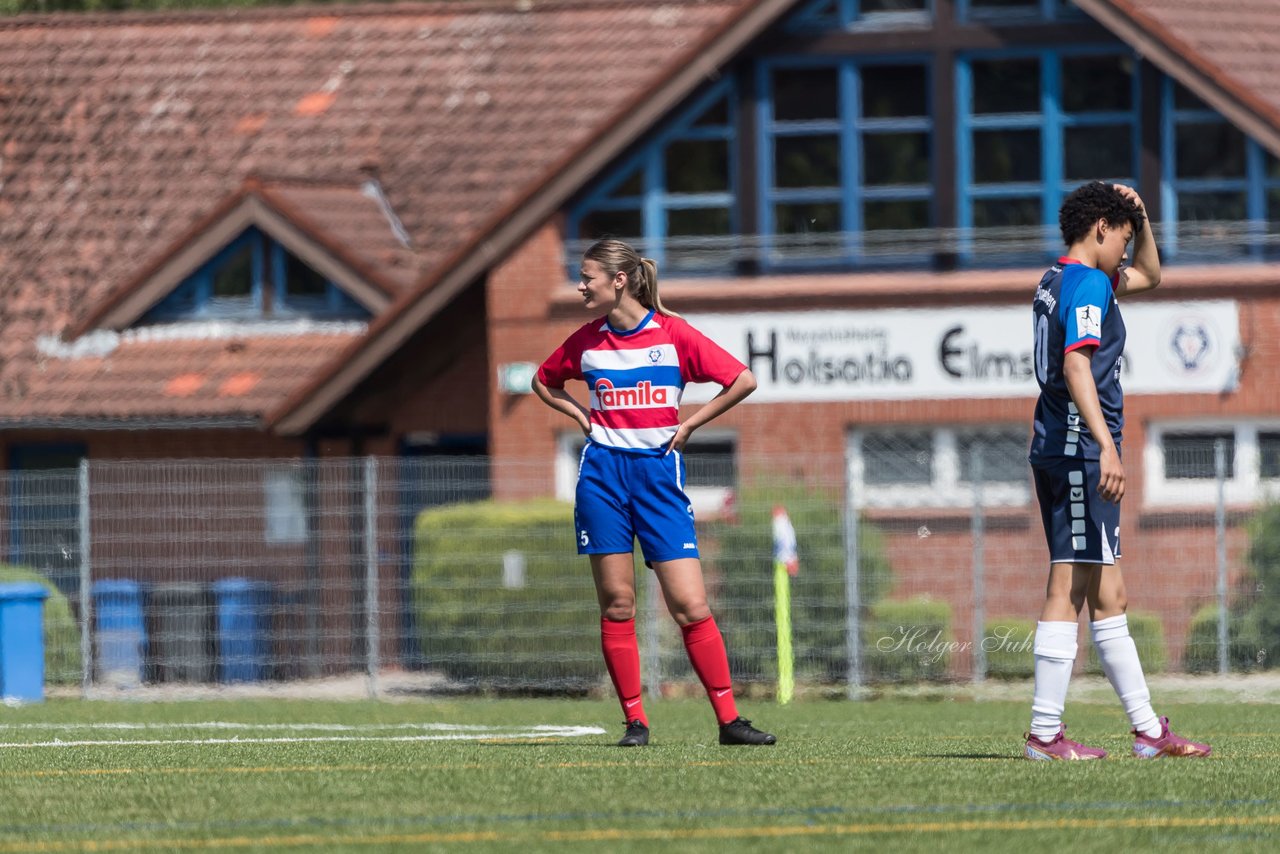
(705, 646)
(622, 657)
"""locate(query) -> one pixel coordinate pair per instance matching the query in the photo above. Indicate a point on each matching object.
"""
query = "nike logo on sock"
(631, 703)
(722, 693)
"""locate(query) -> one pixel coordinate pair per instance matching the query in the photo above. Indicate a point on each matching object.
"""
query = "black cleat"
(637, 734)
(740, 731)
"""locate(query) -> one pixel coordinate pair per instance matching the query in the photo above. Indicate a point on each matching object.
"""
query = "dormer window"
(255, 278)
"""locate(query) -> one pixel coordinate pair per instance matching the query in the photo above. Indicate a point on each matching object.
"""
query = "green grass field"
(901, 774)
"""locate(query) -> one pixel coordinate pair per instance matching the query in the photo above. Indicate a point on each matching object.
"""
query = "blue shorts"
(622, 496)
(1079, 525)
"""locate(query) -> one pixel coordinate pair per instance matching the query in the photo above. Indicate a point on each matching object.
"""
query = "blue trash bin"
(121, 632)
(22, 641)
(244, 610)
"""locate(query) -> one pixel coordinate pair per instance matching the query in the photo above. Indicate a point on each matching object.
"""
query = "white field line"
(327, 727)
(445, 732)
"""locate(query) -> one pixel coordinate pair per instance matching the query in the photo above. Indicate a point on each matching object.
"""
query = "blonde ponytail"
(615, 257)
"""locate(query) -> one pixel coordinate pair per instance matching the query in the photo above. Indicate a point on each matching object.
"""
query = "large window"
(255, 278)
(929, 467)
(676, 196)
(1181, 463)
(1222, 188)
(1193, 455)
(842, 150)
(845, 159)
(1034, 126)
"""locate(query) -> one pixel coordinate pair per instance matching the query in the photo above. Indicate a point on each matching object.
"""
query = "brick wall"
(1169, 558)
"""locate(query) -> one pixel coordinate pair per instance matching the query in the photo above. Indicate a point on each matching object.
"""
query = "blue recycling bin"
(244, 611)
(121, 632)
(22, 641)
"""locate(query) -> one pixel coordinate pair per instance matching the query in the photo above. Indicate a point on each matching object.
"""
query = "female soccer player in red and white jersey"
(636, 360)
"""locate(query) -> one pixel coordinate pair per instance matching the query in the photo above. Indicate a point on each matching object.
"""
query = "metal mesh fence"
(921, 558)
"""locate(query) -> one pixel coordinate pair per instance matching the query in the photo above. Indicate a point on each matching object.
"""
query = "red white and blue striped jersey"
(636, 377)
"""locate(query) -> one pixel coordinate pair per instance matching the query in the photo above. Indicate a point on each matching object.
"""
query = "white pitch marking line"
(327, 727)
(474, 733)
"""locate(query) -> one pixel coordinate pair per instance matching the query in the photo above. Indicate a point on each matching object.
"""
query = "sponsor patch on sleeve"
(1089, 321)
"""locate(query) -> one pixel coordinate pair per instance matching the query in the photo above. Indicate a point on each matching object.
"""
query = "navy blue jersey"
(1075, 306)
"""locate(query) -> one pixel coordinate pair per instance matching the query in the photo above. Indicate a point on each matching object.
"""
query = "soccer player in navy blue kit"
(636, 361)
(1079, 476)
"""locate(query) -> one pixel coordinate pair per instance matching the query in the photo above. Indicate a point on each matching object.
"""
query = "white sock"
(1119, 657)
(1055, 651)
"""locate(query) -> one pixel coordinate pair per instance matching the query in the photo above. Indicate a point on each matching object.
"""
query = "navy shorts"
(1079, 525)
(623, 496)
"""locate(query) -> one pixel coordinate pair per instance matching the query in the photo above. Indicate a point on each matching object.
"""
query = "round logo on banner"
(1190, 344)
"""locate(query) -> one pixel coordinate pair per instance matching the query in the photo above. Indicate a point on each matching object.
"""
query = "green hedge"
(1147, 632)
(1244, 642)
(61, 632)
(1010, 647)
(473, 628)
(1261, 614)
(738, 559)
(907, 641)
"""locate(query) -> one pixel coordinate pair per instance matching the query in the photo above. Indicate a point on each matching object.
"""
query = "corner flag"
(784, 541)
(786, 563)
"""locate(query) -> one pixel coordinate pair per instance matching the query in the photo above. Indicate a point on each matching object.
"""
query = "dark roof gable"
(345, 232)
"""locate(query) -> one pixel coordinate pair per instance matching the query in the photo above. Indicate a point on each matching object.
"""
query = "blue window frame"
(1032, 126)
(825, 15)
(845, 159)
(1017, 11)
(255, 277)
(1220, 187)
(676, 197)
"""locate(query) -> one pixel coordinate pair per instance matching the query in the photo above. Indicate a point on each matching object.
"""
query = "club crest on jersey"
(655, 356)
(642, 394)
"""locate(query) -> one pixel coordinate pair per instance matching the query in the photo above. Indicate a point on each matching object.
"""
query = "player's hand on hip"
(679, 439)
(1111, 476)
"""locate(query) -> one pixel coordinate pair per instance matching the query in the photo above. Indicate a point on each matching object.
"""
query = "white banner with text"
(975, 351)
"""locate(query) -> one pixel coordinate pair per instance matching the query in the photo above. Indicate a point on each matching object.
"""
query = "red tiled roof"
(119, 133)
(350, 220)
(1227, 51)
(1225, 85)
(1241, 37)
(166, 377)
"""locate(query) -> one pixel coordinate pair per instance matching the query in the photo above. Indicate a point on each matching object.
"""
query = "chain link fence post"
(371, 573)
(86, 580)
(1220, 537)
(852, 592)
(978, 532)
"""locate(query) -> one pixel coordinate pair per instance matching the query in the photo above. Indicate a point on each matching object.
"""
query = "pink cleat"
(1168, 744)
(1061, 747)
